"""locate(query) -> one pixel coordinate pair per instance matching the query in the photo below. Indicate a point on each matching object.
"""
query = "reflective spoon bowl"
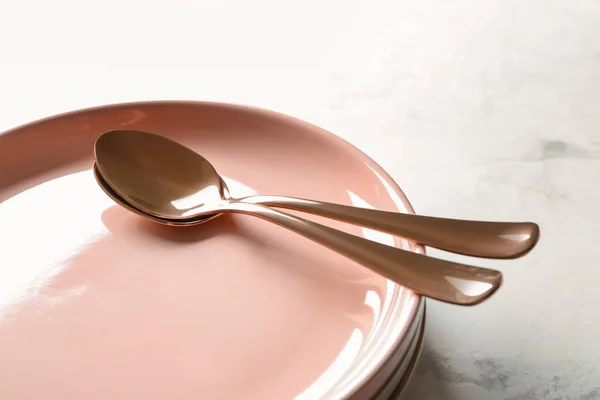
(170, 182)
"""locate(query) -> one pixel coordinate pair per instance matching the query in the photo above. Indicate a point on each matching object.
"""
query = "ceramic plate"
(97, 303)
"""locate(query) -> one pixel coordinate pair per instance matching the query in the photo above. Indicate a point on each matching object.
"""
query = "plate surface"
(98, 303)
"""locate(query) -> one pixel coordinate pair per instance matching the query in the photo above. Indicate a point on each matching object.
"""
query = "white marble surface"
(479, 109)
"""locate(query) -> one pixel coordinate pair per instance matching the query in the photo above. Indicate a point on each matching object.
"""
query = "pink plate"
(98, 303)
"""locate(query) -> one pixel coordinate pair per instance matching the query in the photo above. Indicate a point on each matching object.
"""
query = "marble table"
(479, 109)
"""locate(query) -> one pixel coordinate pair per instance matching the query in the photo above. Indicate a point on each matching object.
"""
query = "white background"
(479, 109)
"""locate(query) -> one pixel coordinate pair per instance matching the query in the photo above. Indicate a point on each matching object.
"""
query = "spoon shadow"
(224, 225)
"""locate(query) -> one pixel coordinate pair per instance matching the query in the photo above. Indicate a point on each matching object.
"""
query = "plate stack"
(98, 303)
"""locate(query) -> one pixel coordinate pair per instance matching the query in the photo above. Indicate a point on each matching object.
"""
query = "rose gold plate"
(98, 303)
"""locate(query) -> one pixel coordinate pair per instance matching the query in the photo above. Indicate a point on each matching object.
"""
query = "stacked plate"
(97, 303)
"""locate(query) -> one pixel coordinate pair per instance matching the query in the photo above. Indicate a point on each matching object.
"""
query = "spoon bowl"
(159, 176)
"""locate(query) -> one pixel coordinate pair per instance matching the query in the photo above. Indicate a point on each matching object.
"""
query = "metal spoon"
(473, 238)
(169, 182)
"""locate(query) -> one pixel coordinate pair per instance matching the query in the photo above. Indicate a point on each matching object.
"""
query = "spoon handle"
(432, 277)
(501, 240)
